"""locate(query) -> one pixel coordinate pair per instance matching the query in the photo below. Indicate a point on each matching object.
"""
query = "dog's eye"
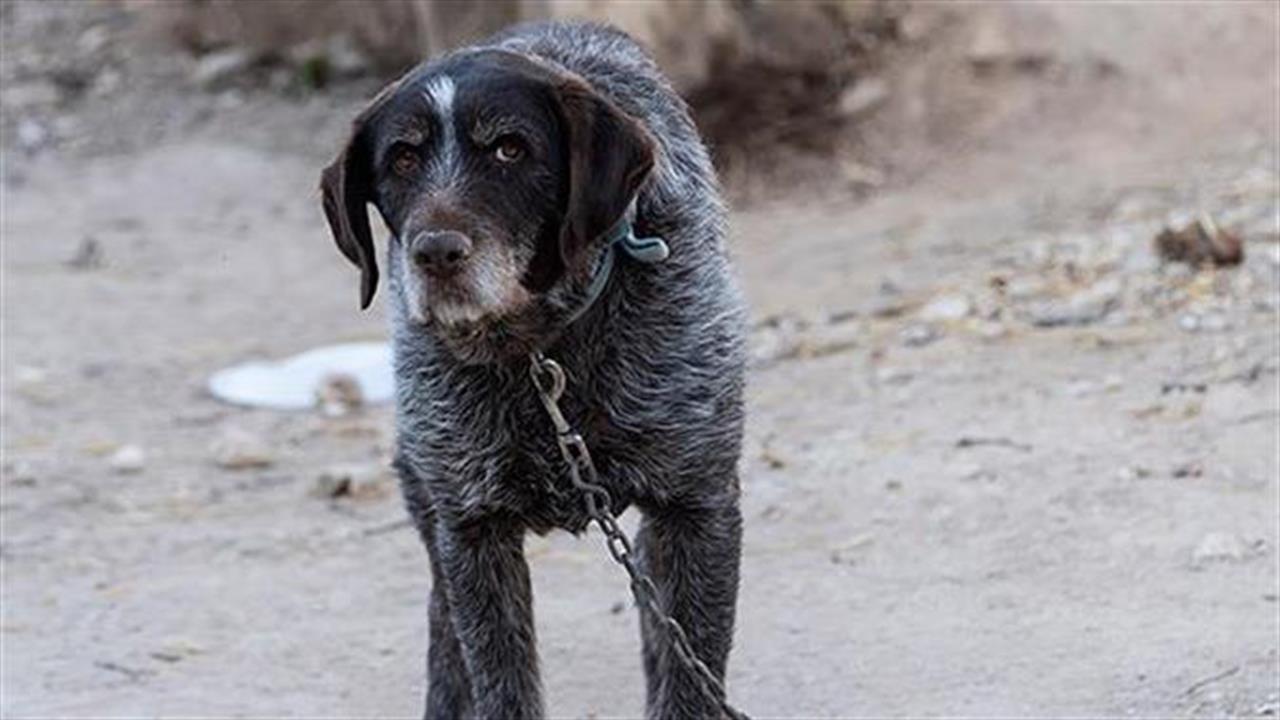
(508, 149)
(404, 161)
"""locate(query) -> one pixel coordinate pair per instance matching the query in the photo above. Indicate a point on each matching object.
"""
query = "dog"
(501, 172)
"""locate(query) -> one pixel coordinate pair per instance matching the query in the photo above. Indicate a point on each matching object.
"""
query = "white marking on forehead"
(440, 92)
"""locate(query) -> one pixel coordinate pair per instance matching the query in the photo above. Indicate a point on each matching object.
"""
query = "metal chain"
(549, 379)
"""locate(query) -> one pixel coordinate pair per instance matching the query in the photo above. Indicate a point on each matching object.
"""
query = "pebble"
(771, 344)
(354, 480)
(864, 97)
(829, 339)
(946, 307)
(32, 135)
(19, 472)
(88, 255)
(237, 449)
(128, 459)
(93, 39)
(852, 551)
(894, 376)
(339, 394)
(1025, 287)
(1133, 472)
(1219, 547)
(918, 335)
(1083, 308)
(1214, 322)
(217, 68)
(26, 375)
(1190, 469)
(887, 306)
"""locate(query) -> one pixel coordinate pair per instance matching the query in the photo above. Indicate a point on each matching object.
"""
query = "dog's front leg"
(692, 554)
(448, 687)
(492, 607)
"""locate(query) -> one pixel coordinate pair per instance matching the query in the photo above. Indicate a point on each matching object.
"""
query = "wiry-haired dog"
(503, 171)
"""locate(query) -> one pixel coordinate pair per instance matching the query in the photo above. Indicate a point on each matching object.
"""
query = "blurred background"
(1013, 435)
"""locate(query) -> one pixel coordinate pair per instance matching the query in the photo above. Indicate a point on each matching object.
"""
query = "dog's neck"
(622, 238)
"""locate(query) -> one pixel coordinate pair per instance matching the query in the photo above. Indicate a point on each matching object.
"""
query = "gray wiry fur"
(655, 385)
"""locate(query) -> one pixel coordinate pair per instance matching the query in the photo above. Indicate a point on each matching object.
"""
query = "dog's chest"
(489, 447)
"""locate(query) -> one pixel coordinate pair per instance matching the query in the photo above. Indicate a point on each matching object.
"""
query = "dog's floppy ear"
(347, 187)
(610, 156)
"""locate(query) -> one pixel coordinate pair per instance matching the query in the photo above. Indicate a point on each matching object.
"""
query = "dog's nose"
(440, 254)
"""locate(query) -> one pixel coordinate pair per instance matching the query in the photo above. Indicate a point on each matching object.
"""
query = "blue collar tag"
(647, 250)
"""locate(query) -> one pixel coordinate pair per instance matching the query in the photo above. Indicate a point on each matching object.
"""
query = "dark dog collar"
(647, 250)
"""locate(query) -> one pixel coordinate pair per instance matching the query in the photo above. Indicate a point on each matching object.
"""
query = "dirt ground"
(1000, 460)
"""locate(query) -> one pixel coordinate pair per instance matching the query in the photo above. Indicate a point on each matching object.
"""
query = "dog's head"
(495, 175)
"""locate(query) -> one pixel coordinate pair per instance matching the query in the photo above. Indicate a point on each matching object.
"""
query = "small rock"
(216, 69)
(127, 460)
(33, 384)
(1199, 243)
(1191, 469)
(1025, 287)
(357, 481)
(1083, 308)
(339, 394)
(886, 306)
(176, 651)
(88, 255)
(238, 449)
(772, 458)
(995, 44)
(1219, 547)
(93, 39)
(945, 308)
(918, 335)
(32, 135)
(28, 375)
(769, 345)
(1133, 472)
(893, 376)
(850, 552)
(18, 472)
(864, 97)
(829, 339)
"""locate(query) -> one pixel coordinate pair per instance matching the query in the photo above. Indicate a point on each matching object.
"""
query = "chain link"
(549, 379)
